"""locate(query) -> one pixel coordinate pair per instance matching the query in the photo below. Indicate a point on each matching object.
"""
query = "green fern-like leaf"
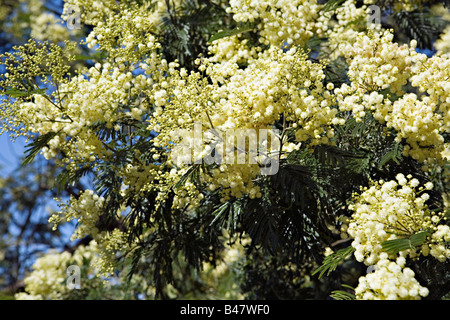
(220, 211)
(261, 222)
(331, 262)
(343, 295)
(192, 173)
(15, 93)
(331, 5)
(69, 177)
(422, 26)
(231, 32)
(36, 146)
(331, 155)
(397, 245)
(394, 154)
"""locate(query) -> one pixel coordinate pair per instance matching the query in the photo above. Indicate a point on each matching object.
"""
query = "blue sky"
(10, 153)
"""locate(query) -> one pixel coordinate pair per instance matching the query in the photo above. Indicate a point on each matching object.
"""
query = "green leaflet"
(68, 177)
(394, 154)
(227, 215)
(16, 93)
(397, 245)
(36, 146)
(331, 5)
(231, 32)
(331, 262)
(343, 295)
(421, 26)
(193, 173)
(94, 57)
(219, 211)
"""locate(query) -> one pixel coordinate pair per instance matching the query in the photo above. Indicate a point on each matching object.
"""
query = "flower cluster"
(283, 21)
(379, 69)
(278, 83)
(32, 17)
(387, 211)
(48, 61)
(47, 280)
(218, 276)
(417, 122)
(91, 11)
(233, 50)
(430, 76)
(47, 26)
(390, 281)
(443, 43)
(392, 210)
(86, 209)
(95, 12)
(377, 63)
(77, 106)
(125, 35)
(84, 103)
(97, 95)
(109, 244)
(350, 22)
